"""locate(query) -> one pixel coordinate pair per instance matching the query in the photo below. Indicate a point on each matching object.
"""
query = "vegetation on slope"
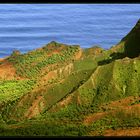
(14, 89)
(87, 98)
(130, 45)
(29, 65)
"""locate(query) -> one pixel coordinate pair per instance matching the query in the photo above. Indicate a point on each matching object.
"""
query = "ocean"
(25, 27)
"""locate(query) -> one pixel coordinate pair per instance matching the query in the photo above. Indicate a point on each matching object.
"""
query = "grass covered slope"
(29, 65)
(64, 90)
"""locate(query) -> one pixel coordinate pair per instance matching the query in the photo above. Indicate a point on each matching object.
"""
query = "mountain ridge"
(52, 90)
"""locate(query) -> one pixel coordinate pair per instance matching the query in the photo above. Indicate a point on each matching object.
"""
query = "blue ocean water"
(29, 26)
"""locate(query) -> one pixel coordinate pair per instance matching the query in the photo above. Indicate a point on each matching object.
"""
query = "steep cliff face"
(130, 44)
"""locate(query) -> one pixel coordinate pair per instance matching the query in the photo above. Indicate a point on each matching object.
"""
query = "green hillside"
(64, 90)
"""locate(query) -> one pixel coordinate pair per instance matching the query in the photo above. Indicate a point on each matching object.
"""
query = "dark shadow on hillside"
(132, 42)
(132, 46)
(113, 56)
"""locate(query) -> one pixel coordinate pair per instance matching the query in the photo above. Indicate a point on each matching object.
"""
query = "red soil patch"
(65, 101)
(78, 54)
(15, 126)
(54, 52)
(95, 51)
(58, 74)
(48, 68)
(122, 102)
(1, 59)
(132, 109)
(126, 102)
(7, 71)
(50, 75)
(94, 117)
(34, 109)
(123, 132)
(122, 105)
